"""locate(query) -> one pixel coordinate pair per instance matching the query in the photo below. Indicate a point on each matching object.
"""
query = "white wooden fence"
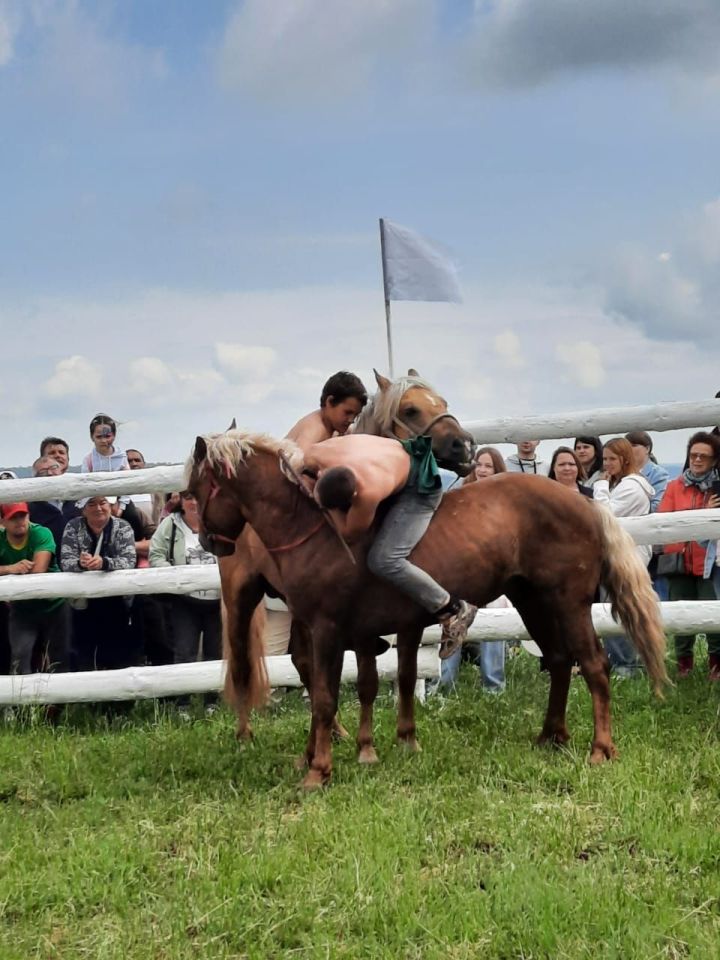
(141, 682)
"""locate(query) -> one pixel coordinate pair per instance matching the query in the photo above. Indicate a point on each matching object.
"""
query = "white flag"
(416, 268)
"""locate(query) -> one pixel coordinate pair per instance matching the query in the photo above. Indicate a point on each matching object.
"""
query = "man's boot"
(714, 665)
(685, 665)
(455, 618)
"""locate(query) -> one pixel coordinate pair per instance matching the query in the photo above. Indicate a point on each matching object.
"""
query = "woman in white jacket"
(627, 494)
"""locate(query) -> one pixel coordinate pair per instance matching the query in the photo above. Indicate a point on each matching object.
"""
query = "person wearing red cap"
(26, 548)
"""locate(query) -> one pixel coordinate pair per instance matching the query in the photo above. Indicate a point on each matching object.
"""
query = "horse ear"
(200, 451)
(233, 425)
(412, 372)
(382, 381)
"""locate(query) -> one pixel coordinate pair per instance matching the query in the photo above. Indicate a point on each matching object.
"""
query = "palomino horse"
(525, 536)
(406, 407)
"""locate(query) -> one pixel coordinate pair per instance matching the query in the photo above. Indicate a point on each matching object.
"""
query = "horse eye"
(411, 411)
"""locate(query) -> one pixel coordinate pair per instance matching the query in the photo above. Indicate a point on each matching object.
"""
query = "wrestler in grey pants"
(403, 527)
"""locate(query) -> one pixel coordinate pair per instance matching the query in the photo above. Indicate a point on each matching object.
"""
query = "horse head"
(221, 518)
(410, 407)
(229, 473)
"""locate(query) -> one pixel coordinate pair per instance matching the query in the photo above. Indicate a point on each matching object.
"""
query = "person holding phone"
(696, 488)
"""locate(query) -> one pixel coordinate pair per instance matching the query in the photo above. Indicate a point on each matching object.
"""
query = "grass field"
(145, 837)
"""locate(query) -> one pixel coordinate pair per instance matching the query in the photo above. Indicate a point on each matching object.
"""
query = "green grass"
(146, 838)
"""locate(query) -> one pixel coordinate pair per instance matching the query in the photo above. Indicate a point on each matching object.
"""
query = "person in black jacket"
(53, 514)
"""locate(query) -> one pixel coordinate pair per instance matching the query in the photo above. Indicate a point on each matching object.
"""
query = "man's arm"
(308, 431)
(41, 561)
(356, 521)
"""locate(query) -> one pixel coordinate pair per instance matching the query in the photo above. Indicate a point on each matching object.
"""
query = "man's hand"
(713, 501)
(22, 566)
(89, 562)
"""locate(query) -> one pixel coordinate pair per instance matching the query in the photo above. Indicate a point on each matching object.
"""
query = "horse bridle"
(424, 430)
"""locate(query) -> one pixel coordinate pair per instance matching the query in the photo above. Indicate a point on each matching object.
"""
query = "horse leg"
(408, 642)
(246, 680)
(367, 686)
(300, 648)
(595, 668)
(555, 729)
(327, 667)
(540, 615)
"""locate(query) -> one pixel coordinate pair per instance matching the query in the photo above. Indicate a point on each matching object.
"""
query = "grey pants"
(52, 630)
(403, 527)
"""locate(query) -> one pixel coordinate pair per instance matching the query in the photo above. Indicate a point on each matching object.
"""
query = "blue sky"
(189, 220)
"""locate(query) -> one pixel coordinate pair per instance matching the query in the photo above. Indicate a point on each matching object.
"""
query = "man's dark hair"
(53, 442)
(335, 488)
(341, 386)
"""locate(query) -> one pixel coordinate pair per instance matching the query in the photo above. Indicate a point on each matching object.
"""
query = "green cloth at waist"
(424, 474)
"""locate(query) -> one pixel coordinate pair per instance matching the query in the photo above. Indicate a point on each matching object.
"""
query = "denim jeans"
(403, 527)
(488, 657)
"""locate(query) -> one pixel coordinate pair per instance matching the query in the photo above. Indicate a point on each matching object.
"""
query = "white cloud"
(9, 26)
(293, 49)
(75, 376)
(583, 362)
(508, 347)
(166, 389)
(70, 54)
(238, 361)
(673, 294)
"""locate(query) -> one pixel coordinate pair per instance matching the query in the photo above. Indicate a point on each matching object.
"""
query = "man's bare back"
(381, 467)
(309, 430)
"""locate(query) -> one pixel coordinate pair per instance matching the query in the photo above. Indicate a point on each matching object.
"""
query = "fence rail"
(137, 683)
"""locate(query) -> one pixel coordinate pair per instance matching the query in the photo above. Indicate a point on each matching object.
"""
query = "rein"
(291, 474)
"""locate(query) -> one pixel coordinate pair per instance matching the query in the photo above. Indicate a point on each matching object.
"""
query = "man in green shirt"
(27, 548)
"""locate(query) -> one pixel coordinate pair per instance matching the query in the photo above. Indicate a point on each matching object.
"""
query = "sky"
(189, 228)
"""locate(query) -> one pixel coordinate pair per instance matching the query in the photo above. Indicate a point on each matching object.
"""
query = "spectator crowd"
(105, 533)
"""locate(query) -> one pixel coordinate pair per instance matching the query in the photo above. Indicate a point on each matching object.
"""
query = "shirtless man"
(355, 474)
(343, 398)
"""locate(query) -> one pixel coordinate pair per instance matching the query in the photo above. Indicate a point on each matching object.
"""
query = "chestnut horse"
(406, 407)
(527, 537)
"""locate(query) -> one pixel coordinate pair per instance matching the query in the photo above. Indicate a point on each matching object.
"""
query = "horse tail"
(246, 679)
(633, 600)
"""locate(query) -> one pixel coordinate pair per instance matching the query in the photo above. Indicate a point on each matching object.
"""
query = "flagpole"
(388, 324)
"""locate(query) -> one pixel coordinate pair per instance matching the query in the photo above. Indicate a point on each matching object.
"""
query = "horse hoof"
(315, 780)
(601, 753)
(244, 734)
(557, 739)
(410, 744)
(367, 754)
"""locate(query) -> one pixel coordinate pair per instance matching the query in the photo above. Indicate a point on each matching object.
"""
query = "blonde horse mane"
(230, 450)
(377, 417)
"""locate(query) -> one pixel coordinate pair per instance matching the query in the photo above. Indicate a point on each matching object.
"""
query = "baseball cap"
(85, 500)
(8, 510)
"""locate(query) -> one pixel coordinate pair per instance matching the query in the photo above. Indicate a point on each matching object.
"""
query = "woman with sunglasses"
(693, 490)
